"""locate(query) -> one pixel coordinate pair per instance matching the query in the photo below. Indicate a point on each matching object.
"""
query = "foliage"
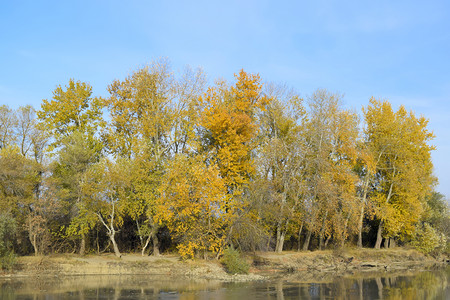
(192, 204)
(71, 108)
(7, 234)
(399, 141)
(247, 164)
(233, 261)
(229, 128)
(427, 239)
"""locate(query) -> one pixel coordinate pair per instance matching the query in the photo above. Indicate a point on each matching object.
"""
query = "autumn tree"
(331, 139)
(72, 108)
(192, 204)
(105, 188)
(153, 116)
(281, 157)
(72, 118)
(228, 131)
(400, 143)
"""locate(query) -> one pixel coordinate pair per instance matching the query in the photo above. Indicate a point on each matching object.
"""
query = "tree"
(228, 134)
(8, 122)
(71, 109)
(105, 187)
(403, 177)
(281, 160)
(229, 127)
(141, 122)
(153, 116)
(192, 204)
(331, 139)
(26, 130)
(77, 153)
(72, 118)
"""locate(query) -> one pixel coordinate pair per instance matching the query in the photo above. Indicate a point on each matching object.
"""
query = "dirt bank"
(323, 265)
(264, 265)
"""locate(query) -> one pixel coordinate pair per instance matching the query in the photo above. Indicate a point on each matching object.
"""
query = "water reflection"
(419, 285)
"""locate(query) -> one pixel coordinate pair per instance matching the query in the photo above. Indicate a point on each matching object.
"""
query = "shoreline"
(263, 265)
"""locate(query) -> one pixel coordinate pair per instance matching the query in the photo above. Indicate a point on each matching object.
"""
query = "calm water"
(416, 285)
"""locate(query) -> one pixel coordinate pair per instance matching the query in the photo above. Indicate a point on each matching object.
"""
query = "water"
(407, 285)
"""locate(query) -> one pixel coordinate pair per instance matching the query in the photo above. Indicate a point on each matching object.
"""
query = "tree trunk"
(280, 242)
(379, 237)
(299, 235)
(392, 243)
(380, 227)
(113, 240)
(141, 238)
(308, 238)
(327, 241)
(361, 213)
(386, 243)
(83, 245)
(147, 242)
(322, 231)
(35, 246)
(277, 246)
(155, 244)
(360, 226)
(111, 231)
(281, 235)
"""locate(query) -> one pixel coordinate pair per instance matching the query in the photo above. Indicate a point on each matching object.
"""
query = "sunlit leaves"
(192, 204)
(399, 143)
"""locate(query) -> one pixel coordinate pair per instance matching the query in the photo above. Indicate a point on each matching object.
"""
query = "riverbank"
(264, 265)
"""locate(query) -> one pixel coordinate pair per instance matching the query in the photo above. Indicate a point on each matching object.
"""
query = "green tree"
(72, 119)
(8, 230)
(105, 187)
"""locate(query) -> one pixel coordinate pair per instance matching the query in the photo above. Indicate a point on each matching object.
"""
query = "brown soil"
(264, 265)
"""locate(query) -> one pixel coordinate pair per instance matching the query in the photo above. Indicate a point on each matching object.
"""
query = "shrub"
(7, 260)
(427, 239)
(233, 261)
(7, 232)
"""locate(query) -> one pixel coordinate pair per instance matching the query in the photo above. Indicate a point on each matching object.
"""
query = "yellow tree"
(229, 127)
(153, 116)
(72, 108)
(228, 130)
(192, 204)
(400, 143)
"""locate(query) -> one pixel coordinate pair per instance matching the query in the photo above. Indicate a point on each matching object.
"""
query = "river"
(406, 285)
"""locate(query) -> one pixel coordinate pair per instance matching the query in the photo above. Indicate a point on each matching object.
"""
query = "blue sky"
(395, 50)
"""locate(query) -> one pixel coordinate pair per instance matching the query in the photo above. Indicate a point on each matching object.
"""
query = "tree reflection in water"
(419, 285)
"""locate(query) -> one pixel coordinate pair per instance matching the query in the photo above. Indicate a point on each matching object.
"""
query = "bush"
(427, 239)
(233, 261)
(7, 232)
(7, 260)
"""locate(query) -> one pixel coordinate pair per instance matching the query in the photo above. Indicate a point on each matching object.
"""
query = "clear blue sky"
(397, 50)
